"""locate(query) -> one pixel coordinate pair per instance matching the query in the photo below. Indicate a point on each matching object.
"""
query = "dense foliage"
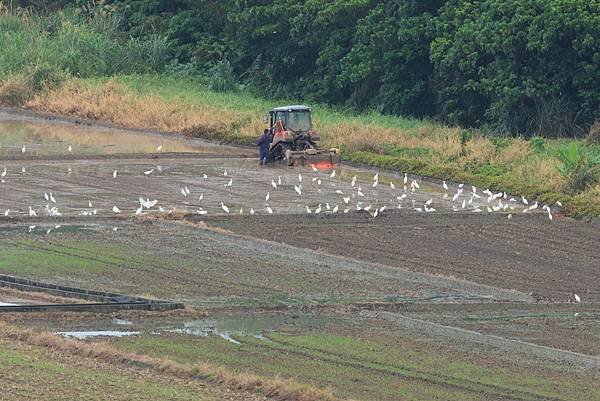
(514, 66)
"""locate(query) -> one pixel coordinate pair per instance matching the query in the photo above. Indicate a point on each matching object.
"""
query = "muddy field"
(376, 285)
(551, 260)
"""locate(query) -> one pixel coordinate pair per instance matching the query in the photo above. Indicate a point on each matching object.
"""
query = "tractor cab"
(293, 118)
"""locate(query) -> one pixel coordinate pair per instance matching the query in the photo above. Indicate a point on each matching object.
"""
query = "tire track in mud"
(128, 266)
(491, 391)
(491, 253)
(327, 262)
(509, 345)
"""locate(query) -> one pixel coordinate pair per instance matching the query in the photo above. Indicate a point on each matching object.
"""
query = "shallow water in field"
(44, 138)
(229, 327)
(82, 335)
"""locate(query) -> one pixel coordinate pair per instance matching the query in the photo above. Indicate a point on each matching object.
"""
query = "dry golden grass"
(517, 151)
(479, 151)
(39, 297)
(275, 389)
(114, 103)
(14, 92)
(539, 171)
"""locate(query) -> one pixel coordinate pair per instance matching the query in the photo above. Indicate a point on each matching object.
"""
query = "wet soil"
(551, 260)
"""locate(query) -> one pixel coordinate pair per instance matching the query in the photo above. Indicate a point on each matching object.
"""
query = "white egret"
(116, 210)
(224, 207)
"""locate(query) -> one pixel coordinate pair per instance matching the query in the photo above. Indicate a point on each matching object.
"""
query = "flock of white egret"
(343, 196)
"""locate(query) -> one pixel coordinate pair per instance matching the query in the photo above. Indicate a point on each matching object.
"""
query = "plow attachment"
(319, 158)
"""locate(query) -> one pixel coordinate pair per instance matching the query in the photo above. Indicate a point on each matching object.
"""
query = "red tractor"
(294, 139)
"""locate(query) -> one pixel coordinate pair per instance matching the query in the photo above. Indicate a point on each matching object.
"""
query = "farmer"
(263, 143)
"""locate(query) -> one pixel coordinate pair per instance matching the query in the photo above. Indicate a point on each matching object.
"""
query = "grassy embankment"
(73, 369)
(30, 371)
(184, 105)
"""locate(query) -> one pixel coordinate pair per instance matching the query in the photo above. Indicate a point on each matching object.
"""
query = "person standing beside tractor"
(264, 144)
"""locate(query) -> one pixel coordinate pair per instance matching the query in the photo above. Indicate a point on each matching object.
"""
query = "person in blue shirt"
(264, 143)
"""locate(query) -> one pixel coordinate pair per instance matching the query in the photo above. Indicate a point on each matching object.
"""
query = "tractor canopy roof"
(292, 108)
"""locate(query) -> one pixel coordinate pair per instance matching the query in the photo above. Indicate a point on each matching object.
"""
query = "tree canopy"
(527, 67)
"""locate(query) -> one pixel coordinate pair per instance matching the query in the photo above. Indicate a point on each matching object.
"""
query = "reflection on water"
(54, 138)
(82, 335)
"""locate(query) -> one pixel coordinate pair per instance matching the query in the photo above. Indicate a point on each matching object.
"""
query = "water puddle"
(82, 335)
(231, 328)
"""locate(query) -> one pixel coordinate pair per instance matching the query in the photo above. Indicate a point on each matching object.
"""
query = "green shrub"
(538, 144)
(579, 168)
(221, 77)
(41, 78)
(409, 152)
(492, 170)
